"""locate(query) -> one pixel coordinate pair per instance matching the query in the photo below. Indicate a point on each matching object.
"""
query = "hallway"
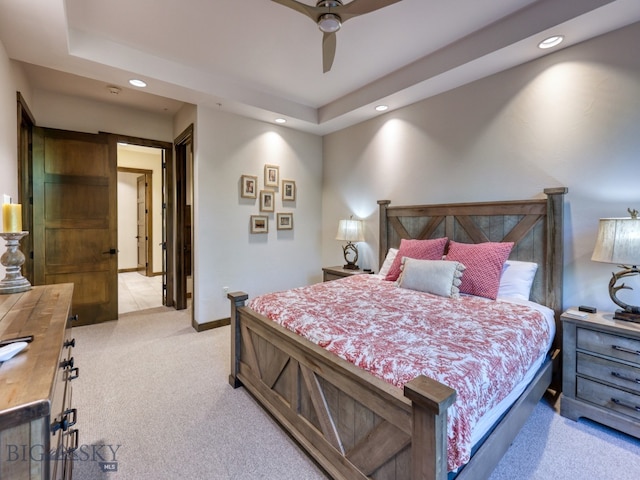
(138, 292)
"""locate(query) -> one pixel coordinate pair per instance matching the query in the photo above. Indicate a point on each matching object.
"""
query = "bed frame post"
(430, 401)
(555, 259)
(237, 301)
(383, 240)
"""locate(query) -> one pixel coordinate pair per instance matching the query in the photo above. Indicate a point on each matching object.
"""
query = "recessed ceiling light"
(280, 120)
(551, 41)
(137, 83)
(381, 108)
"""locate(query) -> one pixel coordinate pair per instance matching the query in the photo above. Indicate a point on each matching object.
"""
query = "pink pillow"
(418, 249)
(484, 262)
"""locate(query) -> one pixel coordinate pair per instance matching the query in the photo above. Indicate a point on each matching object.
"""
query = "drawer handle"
(70, 343)
(67, 363)
(61, 425)
(65, 423)
(74, 373)
(73, 412)
(625, 405)
(625, 350)
(76, 440)
(623, 377)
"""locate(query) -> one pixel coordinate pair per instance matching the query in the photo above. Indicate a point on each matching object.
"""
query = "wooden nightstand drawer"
(619, 374)
(609, 397)
(622, 348)
(600, 371)
(335, 273)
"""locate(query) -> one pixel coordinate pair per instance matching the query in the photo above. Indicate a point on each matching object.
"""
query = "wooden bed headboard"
(535, 227)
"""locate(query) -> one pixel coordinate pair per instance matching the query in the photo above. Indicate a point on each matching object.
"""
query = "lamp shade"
(350, 231)
(618, 241)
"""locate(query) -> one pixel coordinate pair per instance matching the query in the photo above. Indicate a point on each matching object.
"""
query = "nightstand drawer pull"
(625, 405)
(626, 350)
(622, 377)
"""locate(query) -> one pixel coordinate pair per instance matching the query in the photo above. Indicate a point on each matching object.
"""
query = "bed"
(354, 423)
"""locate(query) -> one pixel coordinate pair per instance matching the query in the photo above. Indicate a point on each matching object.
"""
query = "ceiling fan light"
(329, 23)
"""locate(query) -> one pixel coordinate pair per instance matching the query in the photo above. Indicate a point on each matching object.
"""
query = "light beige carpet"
(154, 403)
(156, 394)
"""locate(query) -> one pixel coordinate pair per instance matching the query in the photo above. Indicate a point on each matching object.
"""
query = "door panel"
(141, 234)
(75, 229)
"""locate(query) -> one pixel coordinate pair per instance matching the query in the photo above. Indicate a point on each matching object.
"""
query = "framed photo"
(267, 201)
(259, 224)
(271, 176)
(288, 191)
(248, 186)
(284, 221)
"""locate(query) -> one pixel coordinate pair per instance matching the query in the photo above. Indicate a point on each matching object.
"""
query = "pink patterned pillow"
(484, 262)
(419, 249)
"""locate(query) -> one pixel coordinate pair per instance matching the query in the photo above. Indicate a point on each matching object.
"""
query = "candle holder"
(12, 259)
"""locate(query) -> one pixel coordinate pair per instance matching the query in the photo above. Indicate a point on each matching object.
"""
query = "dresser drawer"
(619, 374)
(609, 397)
(622, 348)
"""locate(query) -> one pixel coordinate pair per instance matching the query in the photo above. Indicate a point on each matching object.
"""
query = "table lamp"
(619, 242)
(350, 231)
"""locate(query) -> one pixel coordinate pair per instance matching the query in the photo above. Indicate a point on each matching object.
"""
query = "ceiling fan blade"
(308, 10)
(359, 7)
(329, 41)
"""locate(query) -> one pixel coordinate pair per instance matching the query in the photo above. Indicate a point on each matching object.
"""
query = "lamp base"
(627, 316)
(350, 250)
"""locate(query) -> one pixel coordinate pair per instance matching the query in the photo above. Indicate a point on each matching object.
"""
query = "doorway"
(141, 268)
(76, 232)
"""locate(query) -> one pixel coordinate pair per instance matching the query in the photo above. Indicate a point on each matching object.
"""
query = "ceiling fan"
(330, 15)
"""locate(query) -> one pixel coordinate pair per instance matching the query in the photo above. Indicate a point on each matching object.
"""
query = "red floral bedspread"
(479, 347)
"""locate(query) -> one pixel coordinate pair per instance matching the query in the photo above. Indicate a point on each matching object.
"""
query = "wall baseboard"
(127, 270)
(201, 327)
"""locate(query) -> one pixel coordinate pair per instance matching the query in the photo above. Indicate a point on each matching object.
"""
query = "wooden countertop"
(29, 377)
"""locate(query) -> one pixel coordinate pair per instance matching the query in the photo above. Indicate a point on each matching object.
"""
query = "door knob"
(112, 251)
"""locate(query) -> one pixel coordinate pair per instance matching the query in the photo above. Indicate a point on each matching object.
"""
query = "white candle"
(11, 217)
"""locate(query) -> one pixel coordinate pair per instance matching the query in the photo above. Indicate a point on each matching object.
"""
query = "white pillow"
(386, 265)
(517, 279)
(440, 277)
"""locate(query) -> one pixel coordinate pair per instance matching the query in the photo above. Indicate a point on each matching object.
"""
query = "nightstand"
(333, 273)
(601, 371)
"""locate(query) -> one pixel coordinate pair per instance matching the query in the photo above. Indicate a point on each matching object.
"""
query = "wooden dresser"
(37, 433)
(601, 371)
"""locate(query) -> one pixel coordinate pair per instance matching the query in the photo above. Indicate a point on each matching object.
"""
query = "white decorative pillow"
(440, 277)
(517, 279)
(388, 261)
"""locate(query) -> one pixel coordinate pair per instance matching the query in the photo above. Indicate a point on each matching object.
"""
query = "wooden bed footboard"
(353, 424)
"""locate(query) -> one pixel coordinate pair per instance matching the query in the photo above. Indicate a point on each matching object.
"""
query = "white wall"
(226, 254)
(83, 115)
(127, 220)
(12, 80)
(569, 119)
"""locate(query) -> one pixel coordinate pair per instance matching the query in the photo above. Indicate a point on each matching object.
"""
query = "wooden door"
(141, 234)
(75, 219)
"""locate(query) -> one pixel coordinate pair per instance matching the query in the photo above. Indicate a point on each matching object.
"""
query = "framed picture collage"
(267, 199)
